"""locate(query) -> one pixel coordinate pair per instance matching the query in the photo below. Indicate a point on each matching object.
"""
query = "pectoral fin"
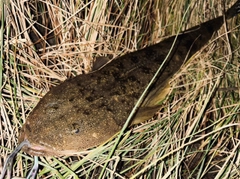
(157, 95)
(144, 113)
(152, 103)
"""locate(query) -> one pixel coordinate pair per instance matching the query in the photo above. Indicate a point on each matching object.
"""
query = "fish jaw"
(32, 148)
(37, 150)
(38, 147)
(47, 140)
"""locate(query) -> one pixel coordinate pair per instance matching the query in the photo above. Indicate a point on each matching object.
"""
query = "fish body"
(88, 109)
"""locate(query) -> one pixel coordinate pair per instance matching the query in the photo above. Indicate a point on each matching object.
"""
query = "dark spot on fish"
(79, 84)
(99, 79)
(150, 53)
(145, 70)
(109, 109)
(123, 101)
(75, 107)
(120, 65)
(61, 117)
(89, 98)
(80, 92)
(106, 72)
(134, 59)
(132, 78)
(115, 93)
(71, 99)
(101, 105)
(135, 95)
(86, 112)
(28, 128)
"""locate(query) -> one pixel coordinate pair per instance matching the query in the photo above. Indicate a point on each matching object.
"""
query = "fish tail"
(233, 11)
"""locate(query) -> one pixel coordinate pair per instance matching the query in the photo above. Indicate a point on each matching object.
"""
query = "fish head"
(60, 126)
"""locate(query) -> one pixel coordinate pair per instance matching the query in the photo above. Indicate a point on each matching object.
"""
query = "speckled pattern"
(87, 110)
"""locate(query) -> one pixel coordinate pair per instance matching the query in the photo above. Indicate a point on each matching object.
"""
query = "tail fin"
(233, 11)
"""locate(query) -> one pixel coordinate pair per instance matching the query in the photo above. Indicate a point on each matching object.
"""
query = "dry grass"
(197, 134)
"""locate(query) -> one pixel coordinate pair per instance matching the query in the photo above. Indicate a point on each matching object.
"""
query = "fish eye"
(76, 128)
(76, 131)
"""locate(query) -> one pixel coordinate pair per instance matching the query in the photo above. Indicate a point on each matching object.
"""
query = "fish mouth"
(35, 150)
(41, 149)
(38, 150)
(31, 148)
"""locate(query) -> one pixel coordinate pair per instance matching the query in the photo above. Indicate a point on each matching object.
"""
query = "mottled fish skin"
(87, 110)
